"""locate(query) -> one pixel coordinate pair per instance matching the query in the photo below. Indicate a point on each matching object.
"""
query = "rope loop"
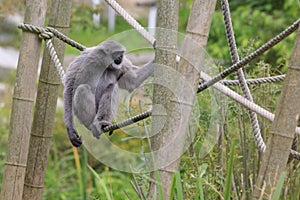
(30, 28)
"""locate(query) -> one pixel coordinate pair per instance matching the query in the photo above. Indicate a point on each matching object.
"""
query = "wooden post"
(282, 131)
(166, 45)
(179, 106)
(194, 45)
(22, 106)
(49, 83)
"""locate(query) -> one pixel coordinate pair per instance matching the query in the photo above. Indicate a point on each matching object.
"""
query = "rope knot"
(46, 35)
(43, 33)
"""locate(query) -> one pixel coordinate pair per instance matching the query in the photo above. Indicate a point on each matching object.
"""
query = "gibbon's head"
(110, 54)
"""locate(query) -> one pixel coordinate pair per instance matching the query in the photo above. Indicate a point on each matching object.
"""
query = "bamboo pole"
(43, 122)
(166, 45)
(22, 105)
(179, 110)
(282, 131)
(193, 50)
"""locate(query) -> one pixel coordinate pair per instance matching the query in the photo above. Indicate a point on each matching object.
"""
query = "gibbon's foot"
(110, 133)
(104, 124)
(97, 128)
(75, 139)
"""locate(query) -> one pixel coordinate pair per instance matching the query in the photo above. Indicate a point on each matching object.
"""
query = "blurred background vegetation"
(255, 22)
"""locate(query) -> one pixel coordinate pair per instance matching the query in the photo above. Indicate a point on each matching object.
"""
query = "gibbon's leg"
(104, 98)
(85, 109)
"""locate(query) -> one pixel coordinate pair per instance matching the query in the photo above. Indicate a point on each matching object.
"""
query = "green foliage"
(112, 185)
(88, 184)
(100, 184)
(254, 25)
(61, 173)
(11, 6)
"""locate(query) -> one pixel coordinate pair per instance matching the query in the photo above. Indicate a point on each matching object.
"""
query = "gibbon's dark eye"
(118, 60)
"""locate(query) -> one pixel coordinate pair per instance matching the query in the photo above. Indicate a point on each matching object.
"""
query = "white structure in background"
(8, 58)
(152, 19)
(96, 16)
(152, 14)
(111, 19)
(151, 4)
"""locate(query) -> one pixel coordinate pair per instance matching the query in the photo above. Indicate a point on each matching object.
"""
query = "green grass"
(229, 175)
(100, 184)
(279, 186)
(176, 187)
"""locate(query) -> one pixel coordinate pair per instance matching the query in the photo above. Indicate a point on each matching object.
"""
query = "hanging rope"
(131, 21)
(253, 55)
(240, 74)
(39, 30)
(295, 154)
(47, 34)
(54, 57)
(243, 101)
(256, 108)
(294, 148)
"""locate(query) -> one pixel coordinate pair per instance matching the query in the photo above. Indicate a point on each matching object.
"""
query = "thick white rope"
(243, 101)
(131, 21)
(238, 98)
(255, 81)
(54, 57)
(250, 57)
(240, 74)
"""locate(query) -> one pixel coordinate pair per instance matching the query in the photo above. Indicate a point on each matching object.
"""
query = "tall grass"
(279, 186)
(227, 190)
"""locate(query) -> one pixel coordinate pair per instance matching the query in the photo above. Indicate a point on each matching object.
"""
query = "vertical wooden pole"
(179, 106)
(283, 129)
(166, 45)
(193, 50)
(22, 106)
(49, 83)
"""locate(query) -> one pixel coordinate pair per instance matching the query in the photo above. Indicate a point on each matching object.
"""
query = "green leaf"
(279, 186)
(101, 182)
(229, 173)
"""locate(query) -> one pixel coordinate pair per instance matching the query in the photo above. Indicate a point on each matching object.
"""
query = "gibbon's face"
(117, 59)
(114, 53)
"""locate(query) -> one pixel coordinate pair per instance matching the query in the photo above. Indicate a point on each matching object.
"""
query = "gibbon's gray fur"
(91, 86)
